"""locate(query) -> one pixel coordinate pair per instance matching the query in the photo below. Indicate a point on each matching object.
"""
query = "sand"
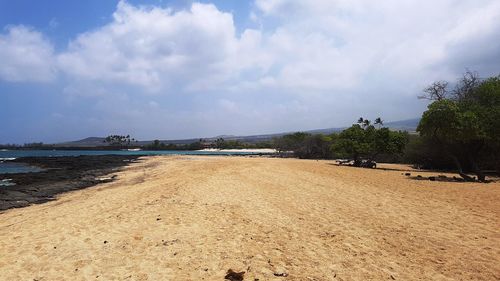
(243, 150)
(194, 218)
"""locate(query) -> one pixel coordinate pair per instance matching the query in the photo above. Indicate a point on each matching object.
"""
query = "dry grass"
(194, 218)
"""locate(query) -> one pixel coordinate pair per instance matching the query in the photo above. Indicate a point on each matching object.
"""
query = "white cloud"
(303, 46)
(353, 41)
(155, 48)
(25, 55)
(310, 64)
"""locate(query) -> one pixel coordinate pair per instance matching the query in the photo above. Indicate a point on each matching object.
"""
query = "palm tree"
(366, 123)
(379, 122)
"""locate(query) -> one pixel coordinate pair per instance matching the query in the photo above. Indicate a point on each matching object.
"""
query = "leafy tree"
(156, 145)
(315, 147)
(465, 123)
(487, 96)
(363, 140)
(352, 142)
(424, 154)
(220, 143)
(195, 146)
(290, 142)
(119, 140)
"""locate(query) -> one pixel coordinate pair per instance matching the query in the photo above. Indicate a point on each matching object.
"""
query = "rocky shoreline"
(60, 174)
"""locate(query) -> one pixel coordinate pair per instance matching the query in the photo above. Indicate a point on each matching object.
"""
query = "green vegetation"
(158, 145)
(464, 123)
(360, 141)
(119, 140)
(219, 143)
(460, 130)
(364, 140)
(304, 145)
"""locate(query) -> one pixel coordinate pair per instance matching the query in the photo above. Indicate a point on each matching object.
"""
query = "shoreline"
(242, 150)
(58, 175)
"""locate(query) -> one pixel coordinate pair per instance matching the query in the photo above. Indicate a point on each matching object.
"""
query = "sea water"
(6, 166)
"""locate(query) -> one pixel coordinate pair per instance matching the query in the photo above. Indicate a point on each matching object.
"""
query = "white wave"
(7, 159)
(7, 182)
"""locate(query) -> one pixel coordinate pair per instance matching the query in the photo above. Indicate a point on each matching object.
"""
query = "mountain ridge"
(408, 125)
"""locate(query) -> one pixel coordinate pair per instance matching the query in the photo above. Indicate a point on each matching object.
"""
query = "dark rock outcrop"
(60, 174)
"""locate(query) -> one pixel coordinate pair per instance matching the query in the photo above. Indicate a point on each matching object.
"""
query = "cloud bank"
(299, 65)
(26, 56)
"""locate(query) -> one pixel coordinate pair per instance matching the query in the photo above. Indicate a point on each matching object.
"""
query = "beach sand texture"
(194, 218)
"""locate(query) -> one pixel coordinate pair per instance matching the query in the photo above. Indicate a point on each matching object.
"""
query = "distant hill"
(87, 142)
(409, 125)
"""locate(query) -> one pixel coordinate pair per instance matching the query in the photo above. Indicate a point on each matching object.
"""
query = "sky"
(186, 69)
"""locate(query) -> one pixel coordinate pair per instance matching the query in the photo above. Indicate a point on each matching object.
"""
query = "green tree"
(220, 143)
(314, 147)
(156, 145)
(352, 142)
(465, 123)
(486, 104)
(118, 140)
(195, 146)
(363, 140)
(290, 142)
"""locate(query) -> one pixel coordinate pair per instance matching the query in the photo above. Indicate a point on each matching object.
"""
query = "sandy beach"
(243, 150)
(196, 217)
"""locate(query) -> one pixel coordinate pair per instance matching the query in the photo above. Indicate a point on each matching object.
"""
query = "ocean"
(8, 167)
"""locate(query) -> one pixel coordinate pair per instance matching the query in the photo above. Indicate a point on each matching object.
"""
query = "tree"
(436, 91)
(364, 122)
(363, 140)
(195, 145)
(466, 86)
(118, 140)
(290, 142)
(465, 124)
(423, 154)
(314, 147)
(220, 143)
(487, 97)
(458, 133)
(352, 142)
(156, 145)
(379, 122)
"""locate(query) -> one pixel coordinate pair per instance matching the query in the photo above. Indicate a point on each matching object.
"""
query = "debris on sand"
(280, 272)
(234, 276)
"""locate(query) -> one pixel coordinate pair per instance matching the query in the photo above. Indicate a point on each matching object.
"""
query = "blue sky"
(182, 69)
